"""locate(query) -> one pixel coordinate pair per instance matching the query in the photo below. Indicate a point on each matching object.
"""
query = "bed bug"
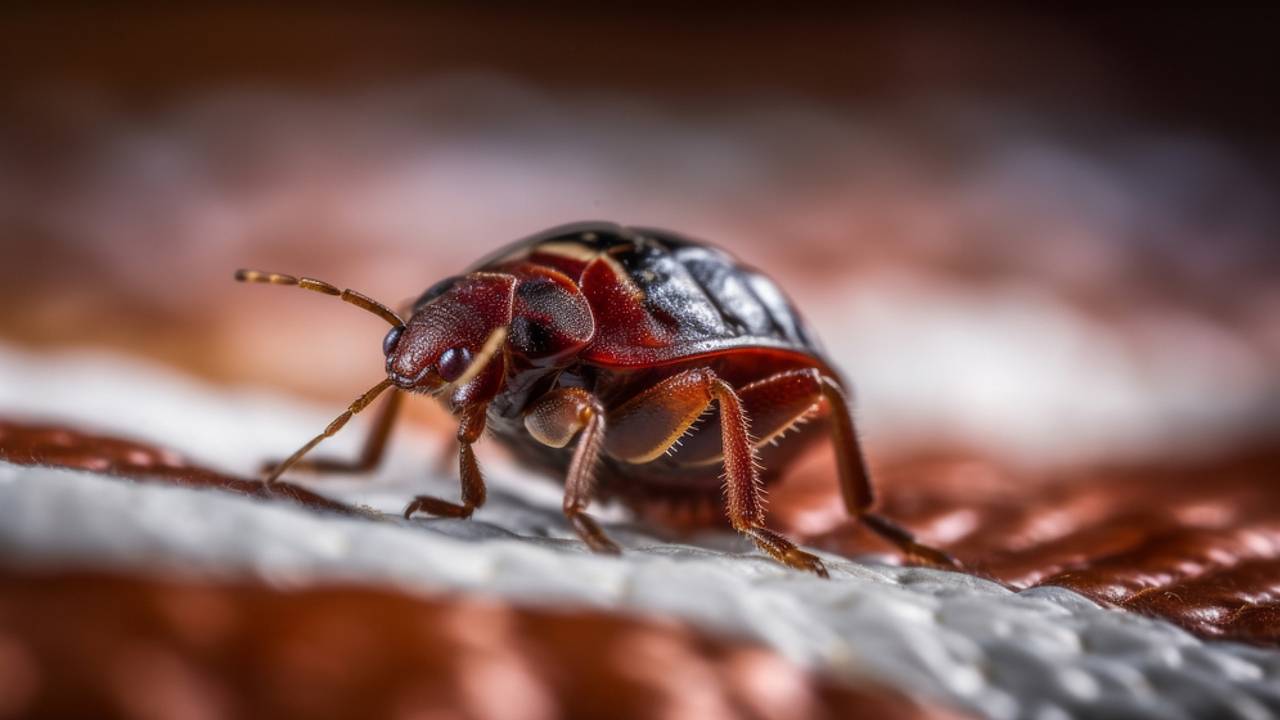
(641, 364)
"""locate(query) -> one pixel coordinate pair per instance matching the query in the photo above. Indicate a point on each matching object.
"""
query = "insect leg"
(553, 421)
(649, 424)
(473, 491)
(375, 445)
(744, 495)
(855, 482)
(776, 405)
(359, 404)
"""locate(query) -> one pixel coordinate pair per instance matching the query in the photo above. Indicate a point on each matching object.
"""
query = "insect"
(641, 364)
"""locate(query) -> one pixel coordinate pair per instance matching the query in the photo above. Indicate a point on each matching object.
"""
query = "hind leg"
(855, 481)
(775, 405)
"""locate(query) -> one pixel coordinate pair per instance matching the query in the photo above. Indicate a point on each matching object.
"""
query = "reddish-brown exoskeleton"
(618, 341)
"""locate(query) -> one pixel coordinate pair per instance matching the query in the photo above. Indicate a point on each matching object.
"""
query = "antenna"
(364, 302)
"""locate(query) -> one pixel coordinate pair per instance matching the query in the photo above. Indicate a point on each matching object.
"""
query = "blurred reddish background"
(1047, 234)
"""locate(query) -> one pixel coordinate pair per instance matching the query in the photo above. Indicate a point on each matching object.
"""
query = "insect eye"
(392, 339)
(453, 362)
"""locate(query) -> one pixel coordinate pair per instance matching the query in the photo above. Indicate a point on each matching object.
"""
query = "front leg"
(473, 492)
(371, 454)
(553, 421)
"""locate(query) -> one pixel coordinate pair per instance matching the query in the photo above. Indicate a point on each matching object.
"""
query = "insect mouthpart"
(406, 382)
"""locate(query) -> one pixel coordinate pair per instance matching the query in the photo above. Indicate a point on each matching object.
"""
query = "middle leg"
(649, 424)
(776, 404)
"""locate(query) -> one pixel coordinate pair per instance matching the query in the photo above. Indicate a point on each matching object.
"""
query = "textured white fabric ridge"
(1043, 653)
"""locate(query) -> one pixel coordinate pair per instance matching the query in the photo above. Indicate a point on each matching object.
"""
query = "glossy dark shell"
(694, 299)
(661, 303)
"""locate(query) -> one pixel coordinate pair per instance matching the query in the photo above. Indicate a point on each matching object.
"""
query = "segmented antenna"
(360, 300)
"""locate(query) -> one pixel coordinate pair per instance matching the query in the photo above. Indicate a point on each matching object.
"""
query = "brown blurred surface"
(59, 446)
(106, 646)
(1191, 64)
(1196, 544)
